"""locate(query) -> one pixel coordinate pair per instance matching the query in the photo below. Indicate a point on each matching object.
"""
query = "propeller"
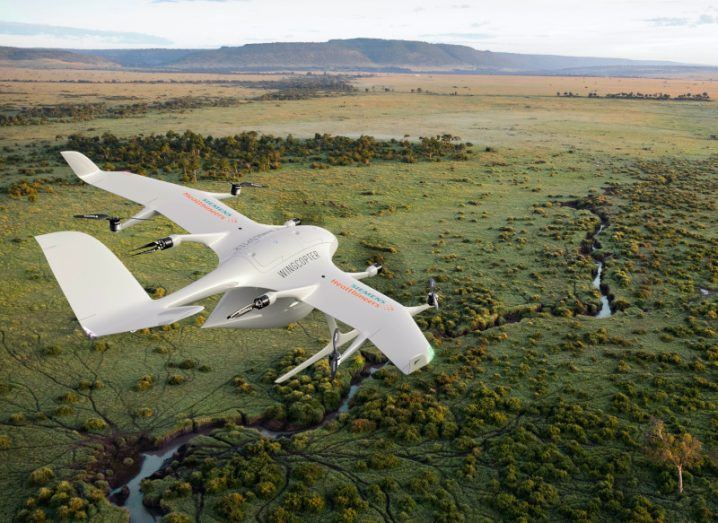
(432, 298)
(334, 358)
(241, 312)
(236, 187)
(113, 220)
(157, 245)
(259, 302)
(94, 216)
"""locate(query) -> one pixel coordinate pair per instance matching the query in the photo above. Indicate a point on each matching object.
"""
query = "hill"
(378, 54)
(138, 58)
(357, 54)
(23, 57)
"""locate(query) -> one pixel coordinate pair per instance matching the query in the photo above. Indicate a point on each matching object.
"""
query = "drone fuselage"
(275, 260)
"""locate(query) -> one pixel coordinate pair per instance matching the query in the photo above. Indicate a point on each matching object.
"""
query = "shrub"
(41, 476)
(94, 425)
(241, 384)
(176, 517)
(51, 350)
(314, 503)
(145, 412)
(187, 364)
(145, 383)
(176, 379)
(231, 506)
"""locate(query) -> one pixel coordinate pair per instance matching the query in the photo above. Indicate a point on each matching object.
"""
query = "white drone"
(271, 275)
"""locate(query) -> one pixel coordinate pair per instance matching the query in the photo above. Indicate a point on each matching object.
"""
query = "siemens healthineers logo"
(364, 295)
(297, 264)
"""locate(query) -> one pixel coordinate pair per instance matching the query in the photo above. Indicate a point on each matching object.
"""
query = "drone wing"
(194, 210)
(380, 319)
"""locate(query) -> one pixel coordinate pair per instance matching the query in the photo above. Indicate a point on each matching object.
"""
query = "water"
(344, 407)
(704, 292)
(152, 461)
(271, 434)
(605, 311)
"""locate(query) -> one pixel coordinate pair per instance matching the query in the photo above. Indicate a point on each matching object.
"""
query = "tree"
(681, 451)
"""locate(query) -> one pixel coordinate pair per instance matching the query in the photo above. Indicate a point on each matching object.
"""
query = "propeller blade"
(149, 248)
(334, 358)
(93, 216)
(103, 216)
(148, 251)
(432, 298)
(145, 246)
(237, 187)
(241, 312)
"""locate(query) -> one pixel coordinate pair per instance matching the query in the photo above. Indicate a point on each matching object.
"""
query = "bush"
(94, 425)
(241, 384)
(145, 412)
(187, 364)
(17, 418)
(145, 383)
(41, 476)
(231, 506)
(176, 517)
(176, 379)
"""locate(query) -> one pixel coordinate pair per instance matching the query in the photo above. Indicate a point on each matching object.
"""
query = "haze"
(683, 31)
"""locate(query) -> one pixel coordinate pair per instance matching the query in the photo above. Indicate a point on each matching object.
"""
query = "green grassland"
(532, 408)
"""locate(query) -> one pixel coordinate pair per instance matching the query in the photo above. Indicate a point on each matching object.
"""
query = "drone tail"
(104, 296)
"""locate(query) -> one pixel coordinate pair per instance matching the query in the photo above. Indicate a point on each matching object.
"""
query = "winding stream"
(605, 311)
(154, 460)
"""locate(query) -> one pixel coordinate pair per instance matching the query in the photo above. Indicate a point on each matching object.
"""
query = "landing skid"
(331, 349)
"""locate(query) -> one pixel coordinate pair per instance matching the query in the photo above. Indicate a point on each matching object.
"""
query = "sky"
(683, 31)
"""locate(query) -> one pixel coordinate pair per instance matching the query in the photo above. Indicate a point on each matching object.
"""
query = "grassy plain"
(532, 408)
(491, 85)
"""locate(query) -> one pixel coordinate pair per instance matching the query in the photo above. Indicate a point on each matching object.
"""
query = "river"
(154, 460)
(605, 311)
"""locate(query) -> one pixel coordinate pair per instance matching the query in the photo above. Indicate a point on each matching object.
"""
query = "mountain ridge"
(355, 54)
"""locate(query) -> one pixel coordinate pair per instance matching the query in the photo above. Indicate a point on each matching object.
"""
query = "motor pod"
(114, 224)
(260, 302)
(293, 222)
(157, 245)
(164, 243)
(265, 300)
(374, 269)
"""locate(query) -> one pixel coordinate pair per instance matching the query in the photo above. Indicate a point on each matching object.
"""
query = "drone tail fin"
(103, 294)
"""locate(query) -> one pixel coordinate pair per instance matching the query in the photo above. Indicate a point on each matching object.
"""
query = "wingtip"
(79, 163)
(51, 239)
